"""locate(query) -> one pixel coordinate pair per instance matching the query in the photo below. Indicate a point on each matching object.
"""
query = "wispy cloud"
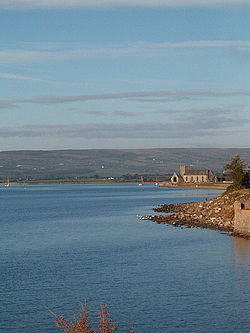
(11, 76)
(116, 113)
(94, 112)
(238, 110)
(143, 95)
(32, 56)
(213, 111)
(7, 105)
(186, 127)
(125, 114)
(35, 4)
(35, 53)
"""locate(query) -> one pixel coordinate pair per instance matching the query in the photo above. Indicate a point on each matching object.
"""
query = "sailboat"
(8, 182)
(141, 183)
(156, 182)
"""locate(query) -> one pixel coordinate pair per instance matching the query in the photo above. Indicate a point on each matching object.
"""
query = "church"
(193, 176)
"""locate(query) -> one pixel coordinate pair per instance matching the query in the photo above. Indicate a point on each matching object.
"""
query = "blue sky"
(124, 74)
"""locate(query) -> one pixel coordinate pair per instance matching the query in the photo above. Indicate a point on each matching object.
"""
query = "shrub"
(81, 324)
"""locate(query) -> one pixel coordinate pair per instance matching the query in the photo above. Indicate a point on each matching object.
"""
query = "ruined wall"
(242, 218)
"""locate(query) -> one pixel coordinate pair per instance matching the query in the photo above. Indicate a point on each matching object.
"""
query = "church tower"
(183, 169)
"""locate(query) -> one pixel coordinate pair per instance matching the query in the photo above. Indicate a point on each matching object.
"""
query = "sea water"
(61, 244)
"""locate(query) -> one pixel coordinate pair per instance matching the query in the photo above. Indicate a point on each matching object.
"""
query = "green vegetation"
(237, 173)
(97, 164)
(235, 194)
(81, 324)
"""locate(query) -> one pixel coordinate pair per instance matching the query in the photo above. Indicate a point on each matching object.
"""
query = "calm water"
(61, 244)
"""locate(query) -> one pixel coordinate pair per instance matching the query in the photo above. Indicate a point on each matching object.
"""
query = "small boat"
(8, 183)
(141, 183)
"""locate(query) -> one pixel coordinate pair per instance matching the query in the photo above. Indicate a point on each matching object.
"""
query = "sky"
(93, 74)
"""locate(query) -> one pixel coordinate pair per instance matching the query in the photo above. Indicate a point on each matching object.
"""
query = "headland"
(217, 213)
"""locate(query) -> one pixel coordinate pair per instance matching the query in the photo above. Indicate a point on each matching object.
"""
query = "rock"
(217, 213)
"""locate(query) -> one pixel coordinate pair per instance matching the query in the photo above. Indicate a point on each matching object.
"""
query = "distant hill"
(111, 162)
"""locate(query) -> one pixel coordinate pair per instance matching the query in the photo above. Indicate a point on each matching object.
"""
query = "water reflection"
(241, 249)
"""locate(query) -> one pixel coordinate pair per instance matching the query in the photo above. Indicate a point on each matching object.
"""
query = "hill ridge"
(47, 164)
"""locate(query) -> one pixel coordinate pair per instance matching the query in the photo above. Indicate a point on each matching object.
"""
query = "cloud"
(116, 113)
(170, 95)
(7, 105)
(71, 4)
(159, 100)
(125, 114)
(35, 53)
(236, 109)
(32, 56)
(95, 112)
(185, 127)
(11, 76)
(191, 123)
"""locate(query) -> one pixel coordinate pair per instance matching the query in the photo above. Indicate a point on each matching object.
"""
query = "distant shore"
(215, 186)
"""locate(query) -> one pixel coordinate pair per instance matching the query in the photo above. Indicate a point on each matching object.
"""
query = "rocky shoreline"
(216, 213)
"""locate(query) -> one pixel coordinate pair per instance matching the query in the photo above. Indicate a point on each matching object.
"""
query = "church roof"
(196, 172)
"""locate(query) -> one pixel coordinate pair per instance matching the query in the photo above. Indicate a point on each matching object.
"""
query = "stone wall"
(242, 218)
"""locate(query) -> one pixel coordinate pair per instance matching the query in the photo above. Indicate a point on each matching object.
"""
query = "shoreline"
(215, 214)
(67, 183)
(215, 186)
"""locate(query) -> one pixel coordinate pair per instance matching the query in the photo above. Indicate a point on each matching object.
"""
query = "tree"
(236, 171)
(245, 180)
